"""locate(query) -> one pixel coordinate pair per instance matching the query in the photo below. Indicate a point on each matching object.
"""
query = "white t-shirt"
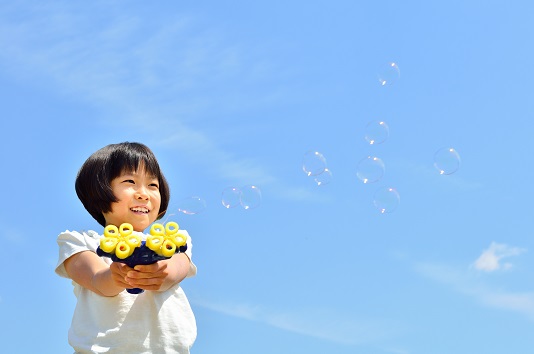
(148, 323)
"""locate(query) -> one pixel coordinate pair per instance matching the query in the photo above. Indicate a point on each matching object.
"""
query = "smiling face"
(138, 197)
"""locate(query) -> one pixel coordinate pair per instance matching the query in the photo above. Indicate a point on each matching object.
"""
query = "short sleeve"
(72, 242)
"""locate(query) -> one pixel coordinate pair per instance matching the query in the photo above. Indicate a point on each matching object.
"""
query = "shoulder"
(77, 237)
(72, 242)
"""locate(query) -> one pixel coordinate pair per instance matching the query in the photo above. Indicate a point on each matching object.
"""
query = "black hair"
(93, 182)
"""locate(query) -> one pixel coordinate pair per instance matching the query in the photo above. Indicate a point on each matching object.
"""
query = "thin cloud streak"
(464, 282)
(163, 79)
(326, 325)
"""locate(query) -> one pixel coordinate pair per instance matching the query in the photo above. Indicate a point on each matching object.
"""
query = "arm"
(91, 272)
(159, 276)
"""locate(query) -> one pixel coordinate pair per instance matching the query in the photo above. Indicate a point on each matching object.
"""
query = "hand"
(147, 277)
(161, 275)
(119, 272)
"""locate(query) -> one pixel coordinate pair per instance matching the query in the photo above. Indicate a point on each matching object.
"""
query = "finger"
(120, 280)
(120, 267)
(146, 283)
(119, 272)
(134, 274)
(151, 268)
(122, 283)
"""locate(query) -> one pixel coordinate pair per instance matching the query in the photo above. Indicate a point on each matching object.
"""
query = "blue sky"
(234, 94)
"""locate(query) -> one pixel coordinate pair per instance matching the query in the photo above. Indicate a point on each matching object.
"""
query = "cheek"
(156, 199)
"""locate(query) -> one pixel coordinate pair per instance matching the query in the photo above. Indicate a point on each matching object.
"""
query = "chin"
(140, 226)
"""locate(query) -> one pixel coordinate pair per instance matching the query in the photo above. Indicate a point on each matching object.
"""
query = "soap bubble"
(313, 163)
(370, 169)
(250, 197)
(446, 161)
(389, 74)
(323, 178)
(231, 197)
(192, 205)
(376, 132)
(386, 200)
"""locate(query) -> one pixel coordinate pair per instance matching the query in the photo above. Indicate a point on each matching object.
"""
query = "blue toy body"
(141, 255)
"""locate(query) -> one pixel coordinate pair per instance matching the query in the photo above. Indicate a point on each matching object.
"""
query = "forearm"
(178, 268)
(103, 283)
(88, 270)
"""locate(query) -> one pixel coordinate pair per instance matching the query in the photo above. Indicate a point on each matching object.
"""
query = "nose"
(141, 194)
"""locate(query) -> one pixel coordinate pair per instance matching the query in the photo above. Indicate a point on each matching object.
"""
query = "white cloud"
(317, 323)
(168, 74)
(467, 283)
(228, 166)
(116, 57)
(491, 258)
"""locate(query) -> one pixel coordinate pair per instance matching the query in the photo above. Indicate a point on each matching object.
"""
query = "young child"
(122, 183)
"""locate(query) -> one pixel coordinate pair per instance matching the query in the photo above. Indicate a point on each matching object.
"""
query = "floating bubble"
(313, 163)
(386, 200)
(376, 132)
(192, 205)
(323, 178)
(370, 169)
(231, 197)
(389, 74)
(250, 197)
(446, 161)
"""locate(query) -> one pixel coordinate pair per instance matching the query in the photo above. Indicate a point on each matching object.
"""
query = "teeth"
(142, 210)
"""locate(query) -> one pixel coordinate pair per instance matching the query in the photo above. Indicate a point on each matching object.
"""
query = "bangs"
(131, 159)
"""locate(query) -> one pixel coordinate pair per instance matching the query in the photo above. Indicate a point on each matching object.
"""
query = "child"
(122, 183)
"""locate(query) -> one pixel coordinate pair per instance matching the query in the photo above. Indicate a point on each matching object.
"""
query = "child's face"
(139, 199)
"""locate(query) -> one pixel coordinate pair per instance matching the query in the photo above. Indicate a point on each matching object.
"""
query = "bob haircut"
(93, 182)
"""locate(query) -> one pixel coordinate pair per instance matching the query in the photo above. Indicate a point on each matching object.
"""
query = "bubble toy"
(122, 245)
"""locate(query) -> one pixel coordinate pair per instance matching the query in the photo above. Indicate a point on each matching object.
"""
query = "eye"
(155, 185)
(129, 181)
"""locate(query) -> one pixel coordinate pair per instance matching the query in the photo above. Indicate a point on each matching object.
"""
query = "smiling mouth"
(140, 210)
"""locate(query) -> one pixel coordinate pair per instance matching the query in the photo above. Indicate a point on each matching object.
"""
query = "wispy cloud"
(172, 73)
(322, 324)
(491, 258)
(465, 282)
(230, 167)
(179, 66)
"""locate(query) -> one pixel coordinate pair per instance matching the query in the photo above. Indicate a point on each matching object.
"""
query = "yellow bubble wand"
(122, 245)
